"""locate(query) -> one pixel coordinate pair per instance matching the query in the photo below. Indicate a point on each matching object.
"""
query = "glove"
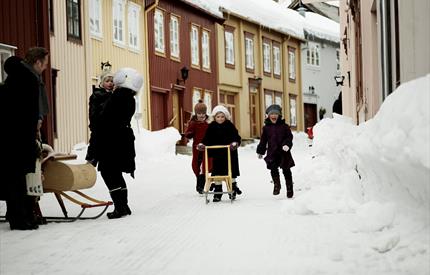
(260, 156)
(200, 147)
(233, 145)
(285, 148)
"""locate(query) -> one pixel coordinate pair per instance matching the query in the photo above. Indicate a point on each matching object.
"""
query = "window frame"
(133, 7)
(267, 57)
(206, 54)
(73, 36)
(120, 19)
(276, 45)
(159, 38)
(293, 111)
(292, 75)
(195, 46)
(203, 96)
(249, 53)
(313, 55)
(175, 44)
(95, 13)
(229, 50)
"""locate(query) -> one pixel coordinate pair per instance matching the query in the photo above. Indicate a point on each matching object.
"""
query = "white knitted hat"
(221, 109)
(128, 78)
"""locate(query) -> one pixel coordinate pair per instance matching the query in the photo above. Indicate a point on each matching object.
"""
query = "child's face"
(273, 117)
(108, 83)
(201, 116)
(220, 118)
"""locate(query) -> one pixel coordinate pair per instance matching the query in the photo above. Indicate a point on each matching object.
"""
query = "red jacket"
(196, 130)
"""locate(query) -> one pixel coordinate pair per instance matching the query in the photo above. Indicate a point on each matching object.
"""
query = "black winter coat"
(222, 134)
(20, 113)
(275, 136)
(115, 144)
(96, 105)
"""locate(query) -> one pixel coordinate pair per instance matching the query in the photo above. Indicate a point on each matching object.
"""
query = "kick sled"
(227, 179)
(61, 176)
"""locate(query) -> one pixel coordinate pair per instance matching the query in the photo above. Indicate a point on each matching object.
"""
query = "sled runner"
(61, 177)
(225, 178)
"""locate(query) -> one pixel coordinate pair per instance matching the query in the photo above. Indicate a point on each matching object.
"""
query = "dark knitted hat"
(200, 108)
(274, 109)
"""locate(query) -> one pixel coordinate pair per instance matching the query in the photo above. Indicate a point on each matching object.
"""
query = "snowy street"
(352, 212)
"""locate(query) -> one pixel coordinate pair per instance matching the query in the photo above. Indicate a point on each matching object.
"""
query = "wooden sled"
(225, 178)
(61, 177)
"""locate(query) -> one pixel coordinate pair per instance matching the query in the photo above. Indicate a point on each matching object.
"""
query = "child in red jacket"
(196, 130)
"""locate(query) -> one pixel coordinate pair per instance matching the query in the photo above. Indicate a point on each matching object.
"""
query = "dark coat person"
(116, 151)
(337, 105)
(21, 111)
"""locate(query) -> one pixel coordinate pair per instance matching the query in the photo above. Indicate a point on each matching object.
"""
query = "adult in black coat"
(222, 131)
(97, 101)
(115, 148)
(277, 139)
(21, 111)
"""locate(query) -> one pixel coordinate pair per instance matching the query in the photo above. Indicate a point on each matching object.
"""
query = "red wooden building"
(25, 24)
(182, 61)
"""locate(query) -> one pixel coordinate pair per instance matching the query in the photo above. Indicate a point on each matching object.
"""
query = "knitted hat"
(274, 109)
(200, 108)
(128, 78)
(221, 109)
(104, 76)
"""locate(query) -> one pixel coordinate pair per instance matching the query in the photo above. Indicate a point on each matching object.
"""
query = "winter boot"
(290, 191)
(289, 183)
(124, 196)
(217, 197)
(276, 185)
(119, 210)
(200, 183)
(236, 188)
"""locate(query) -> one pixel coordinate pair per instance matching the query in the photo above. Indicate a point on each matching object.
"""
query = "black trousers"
(274, 172)
(19, 204)
(113, 179)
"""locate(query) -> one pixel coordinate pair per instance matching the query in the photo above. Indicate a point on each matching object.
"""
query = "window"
(272, 97)
(206, 57)
(133, 25)
(73, 19)
(118, 21)
(313, 54)
(95, 11)
(206, 96)
(174, 36)
(293, 111)
(337, 60)
(292, 63)
(249, 52)
(195, 55)
(51, 15)
(228, 100)
(276, 59)
(267, 66)
(5, 52)
(229, 46)
(159, 31)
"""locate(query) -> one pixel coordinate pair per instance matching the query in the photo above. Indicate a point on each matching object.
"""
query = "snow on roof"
(322, 27)
(333, 3)
(210, 6)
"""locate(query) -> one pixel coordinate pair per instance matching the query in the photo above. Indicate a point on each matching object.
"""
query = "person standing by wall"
(24, 105)
(115, 148)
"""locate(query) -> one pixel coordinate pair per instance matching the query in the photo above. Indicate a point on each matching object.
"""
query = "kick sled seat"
(223, 178)
(61, 176)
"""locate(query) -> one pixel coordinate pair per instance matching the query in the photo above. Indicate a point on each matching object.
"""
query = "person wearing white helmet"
(116, 151)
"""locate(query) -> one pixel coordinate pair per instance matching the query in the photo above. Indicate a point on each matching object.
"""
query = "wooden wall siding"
(164, 71)
(119, 56)
(71, 95)
(24, 24)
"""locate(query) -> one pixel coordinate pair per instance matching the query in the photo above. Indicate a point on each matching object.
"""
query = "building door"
(310, 114)
(254, 109)
(158, 111)
(176, 114)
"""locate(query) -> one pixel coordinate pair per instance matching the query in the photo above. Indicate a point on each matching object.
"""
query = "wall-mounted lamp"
(106, 66)
(339, 80)
(184, 75)
(258, 80)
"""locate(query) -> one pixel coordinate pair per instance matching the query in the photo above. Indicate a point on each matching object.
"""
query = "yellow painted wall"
(71, 93)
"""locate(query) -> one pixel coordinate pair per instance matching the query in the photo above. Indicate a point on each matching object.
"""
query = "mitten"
(233, 145)
(285, 148)
(201, 147)
(260, 156)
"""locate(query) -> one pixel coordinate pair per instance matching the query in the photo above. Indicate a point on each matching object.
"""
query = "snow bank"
(157, 145)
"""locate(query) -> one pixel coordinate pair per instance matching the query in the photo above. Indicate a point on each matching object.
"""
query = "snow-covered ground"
(361, 206)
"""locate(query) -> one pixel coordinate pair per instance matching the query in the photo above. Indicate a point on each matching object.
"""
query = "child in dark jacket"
(277, 139)
(222, 131)
(196, 130)
(97, 101)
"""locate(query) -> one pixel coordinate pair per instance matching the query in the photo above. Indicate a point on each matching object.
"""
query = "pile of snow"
(157, 145)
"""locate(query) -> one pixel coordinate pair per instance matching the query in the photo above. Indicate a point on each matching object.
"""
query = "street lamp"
(184, 75)
(339, 80)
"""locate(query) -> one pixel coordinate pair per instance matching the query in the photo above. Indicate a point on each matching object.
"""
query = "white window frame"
(291, 64)
(267, 64)
(95, 14)
(174, 36)
(159, 31)
(249, 53)
(118, 16)
(206, 57)
(229, 47)
(194, 40)
(207, 99)
(133, 26)
(276, 60)
(313, 55)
